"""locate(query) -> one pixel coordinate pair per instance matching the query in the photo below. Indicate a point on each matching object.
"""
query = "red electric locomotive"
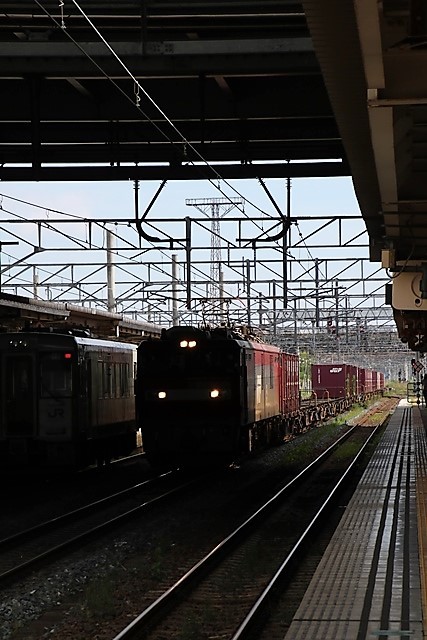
(211, 396)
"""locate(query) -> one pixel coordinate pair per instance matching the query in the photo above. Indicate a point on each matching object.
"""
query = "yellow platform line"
(421, 499)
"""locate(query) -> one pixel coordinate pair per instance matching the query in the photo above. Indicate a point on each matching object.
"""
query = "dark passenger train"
(66, 400)
(213, 396)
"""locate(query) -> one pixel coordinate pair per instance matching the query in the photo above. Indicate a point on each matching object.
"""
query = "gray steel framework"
(334, 301)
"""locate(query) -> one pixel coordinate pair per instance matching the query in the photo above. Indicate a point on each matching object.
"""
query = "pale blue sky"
(314, 196)
(115, 200)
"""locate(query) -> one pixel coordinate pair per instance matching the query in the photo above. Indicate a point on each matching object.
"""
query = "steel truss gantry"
(334, 294)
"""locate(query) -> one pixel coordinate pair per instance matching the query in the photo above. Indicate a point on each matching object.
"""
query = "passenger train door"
(84, 406)
(92, 392)
(18, 395)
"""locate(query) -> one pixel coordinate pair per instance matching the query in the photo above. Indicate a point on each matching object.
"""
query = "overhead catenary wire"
(84, 244)
(136, 103)
(135, 259)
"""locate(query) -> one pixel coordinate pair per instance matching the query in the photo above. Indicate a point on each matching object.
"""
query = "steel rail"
(166, 600)
(84, 537)
(71, 515)
(245, 629)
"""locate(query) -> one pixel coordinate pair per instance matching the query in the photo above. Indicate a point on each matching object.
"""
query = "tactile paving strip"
(367, 584)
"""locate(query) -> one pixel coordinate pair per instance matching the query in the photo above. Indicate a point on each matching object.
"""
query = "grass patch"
(320, 437)
(311, 441)
(395, 388)
(346, 451)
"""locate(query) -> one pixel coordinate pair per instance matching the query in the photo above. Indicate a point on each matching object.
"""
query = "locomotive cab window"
(55, 374)
(179, 362)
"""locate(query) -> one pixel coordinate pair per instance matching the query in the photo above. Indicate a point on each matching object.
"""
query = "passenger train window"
(115, 378)
(107, 379)
(55, 375)
(18, 379)
(124, 379)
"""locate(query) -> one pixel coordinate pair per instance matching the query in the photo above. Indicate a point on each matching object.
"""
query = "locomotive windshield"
(55, 374)
(198, 361)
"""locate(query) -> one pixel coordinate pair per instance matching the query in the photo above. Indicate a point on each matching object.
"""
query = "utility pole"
(111, 295)
(2, 244)
(175, 316)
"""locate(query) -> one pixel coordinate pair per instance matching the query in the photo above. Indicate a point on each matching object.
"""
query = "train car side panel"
(251, 390)
(112, 396)
(352, 387)
(366, 385)
(267, 397)
(293, 383)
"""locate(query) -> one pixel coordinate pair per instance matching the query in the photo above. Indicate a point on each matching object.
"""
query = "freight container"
(366, 380)
(352, 382)
(290, 385)
(333, 380)
(379, 381)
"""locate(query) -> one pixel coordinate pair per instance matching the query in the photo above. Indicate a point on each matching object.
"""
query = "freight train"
(67, 400)
(345, 380)
(214, 396)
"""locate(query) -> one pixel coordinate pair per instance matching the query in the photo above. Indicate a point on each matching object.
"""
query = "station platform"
(371, 582)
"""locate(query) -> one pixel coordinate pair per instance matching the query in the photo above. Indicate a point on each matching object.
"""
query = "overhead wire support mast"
(218, 207)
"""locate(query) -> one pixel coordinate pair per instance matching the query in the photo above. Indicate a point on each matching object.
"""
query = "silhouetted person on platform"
(425, 388)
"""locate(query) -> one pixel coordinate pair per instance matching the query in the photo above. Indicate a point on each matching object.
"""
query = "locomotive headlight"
(215, 393)
(190, 344)
(161, 394)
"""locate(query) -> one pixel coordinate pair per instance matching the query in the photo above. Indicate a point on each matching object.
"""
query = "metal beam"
(180, 172)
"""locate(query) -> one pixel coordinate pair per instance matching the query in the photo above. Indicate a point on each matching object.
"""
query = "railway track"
(376, 413)
(38, 545)
(235, 580)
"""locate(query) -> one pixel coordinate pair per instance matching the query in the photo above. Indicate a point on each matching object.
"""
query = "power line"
(136, 103)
